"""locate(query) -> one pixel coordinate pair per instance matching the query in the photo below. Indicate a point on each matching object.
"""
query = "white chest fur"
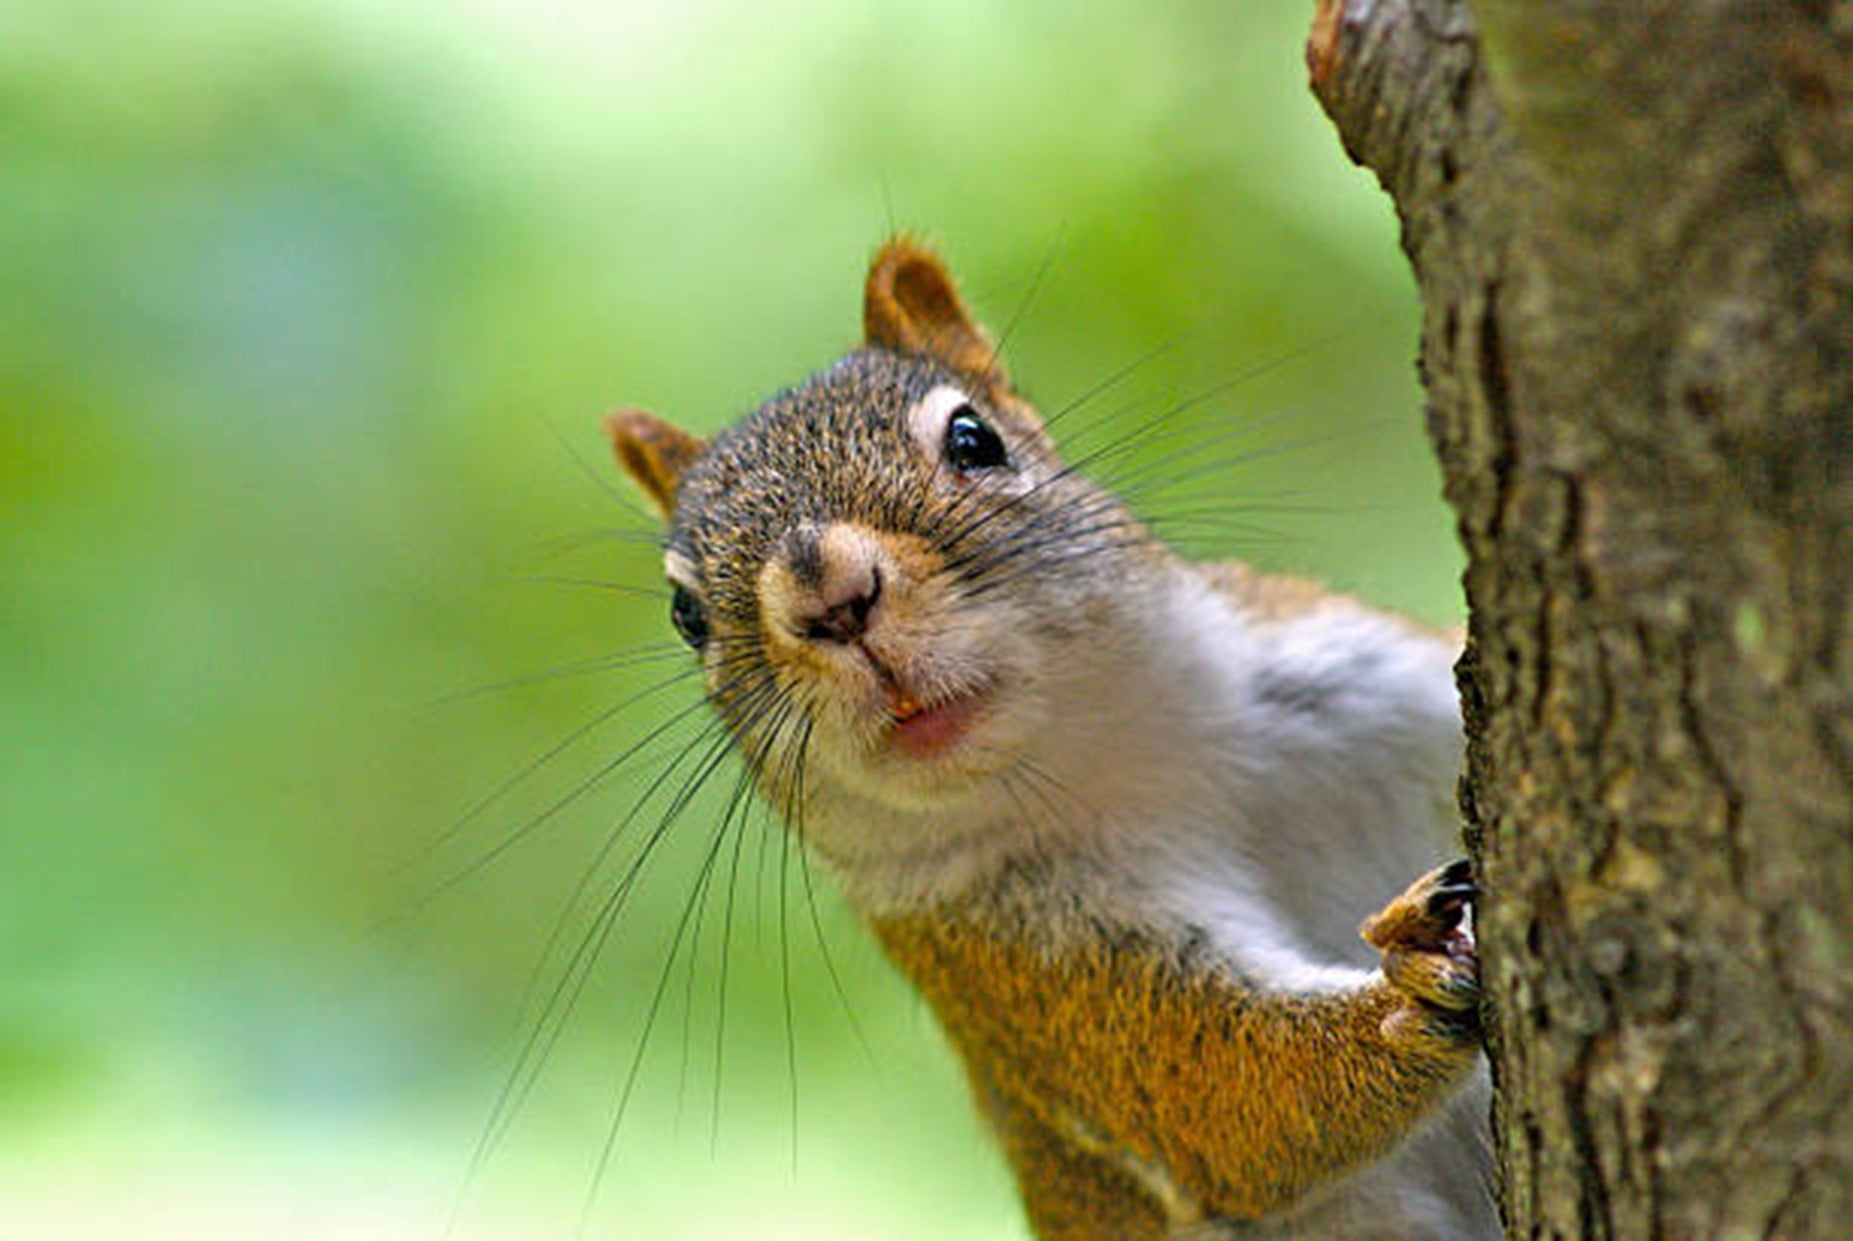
(1257, 778)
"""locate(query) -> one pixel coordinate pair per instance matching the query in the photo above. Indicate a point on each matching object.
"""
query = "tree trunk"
(1632, 226)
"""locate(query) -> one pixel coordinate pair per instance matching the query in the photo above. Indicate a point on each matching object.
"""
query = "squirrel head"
(880, 567)
(910, 306)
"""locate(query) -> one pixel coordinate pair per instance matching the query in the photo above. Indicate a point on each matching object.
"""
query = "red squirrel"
(1115, 814)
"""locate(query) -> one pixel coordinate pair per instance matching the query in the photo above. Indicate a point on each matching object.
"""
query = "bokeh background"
(318, 602)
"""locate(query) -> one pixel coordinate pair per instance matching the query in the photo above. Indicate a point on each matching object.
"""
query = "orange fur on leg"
(1130, 1071)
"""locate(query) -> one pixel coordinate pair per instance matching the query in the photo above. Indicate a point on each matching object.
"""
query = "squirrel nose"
(847, 618)
(839, 583)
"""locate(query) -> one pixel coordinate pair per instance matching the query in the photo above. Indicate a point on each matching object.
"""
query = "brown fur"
(1131, 1086)
(1275, 597)
(1268, 596)
(653, 452)
(911, 305)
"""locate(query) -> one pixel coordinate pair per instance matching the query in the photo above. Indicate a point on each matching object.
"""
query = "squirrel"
(1115, 814)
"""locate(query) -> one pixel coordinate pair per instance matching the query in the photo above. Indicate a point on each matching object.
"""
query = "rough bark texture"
(1632, 225)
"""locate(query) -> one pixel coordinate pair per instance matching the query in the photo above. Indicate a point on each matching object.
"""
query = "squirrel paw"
(1428, 954)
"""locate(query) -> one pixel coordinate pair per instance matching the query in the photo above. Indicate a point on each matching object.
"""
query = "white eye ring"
(926, 421)
(680, 571)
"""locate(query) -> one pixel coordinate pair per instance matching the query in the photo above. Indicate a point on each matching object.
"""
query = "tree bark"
(1632, 226)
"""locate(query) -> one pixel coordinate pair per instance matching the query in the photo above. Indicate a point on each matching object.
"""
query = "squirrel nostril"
(865, 603)
(848, 620)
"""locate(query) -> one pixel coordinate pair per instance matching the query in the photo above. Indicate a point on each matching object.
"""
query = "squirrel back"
(1117, 815)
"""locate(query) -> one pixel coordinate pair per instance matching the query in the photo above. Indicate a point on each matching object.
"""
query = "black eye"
(971, 444)
(686, 614)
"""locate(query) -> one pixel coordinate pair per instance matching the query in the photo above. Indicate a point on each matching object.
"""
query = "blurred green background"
(309, 313)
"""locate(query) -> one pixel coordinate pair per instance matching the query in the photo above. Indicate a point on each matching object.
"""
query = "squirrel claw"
(1427, 915)
(1449, 904)
(1427, 955)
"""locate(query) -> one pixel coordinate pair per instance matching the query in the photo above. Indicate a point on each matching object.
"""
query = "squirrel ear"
(654, 453)
(911, 305)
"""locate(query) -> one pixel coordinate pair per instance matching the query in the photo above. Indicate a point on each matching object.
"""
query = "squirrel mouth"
(926, 730)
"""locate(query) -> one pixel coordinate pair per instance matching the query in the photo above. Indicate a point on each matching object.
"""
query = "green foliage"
(310, 313)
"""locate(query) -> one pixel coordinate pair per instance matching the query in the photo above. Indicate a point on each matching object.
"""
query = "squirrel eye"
(971, 444)
(686, 614)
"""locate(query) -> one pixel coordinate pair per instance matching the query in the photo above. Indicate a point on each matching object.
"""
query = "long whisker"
(628, 658)
(643, 1043)
(551, 811)
(817, 929)
(1023, 305)
(590, 583)
(536, 763)
(547, 1026)
(551, 1022)
(1113, 380)
(744, 720)
(755, 763)
(564, 545)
